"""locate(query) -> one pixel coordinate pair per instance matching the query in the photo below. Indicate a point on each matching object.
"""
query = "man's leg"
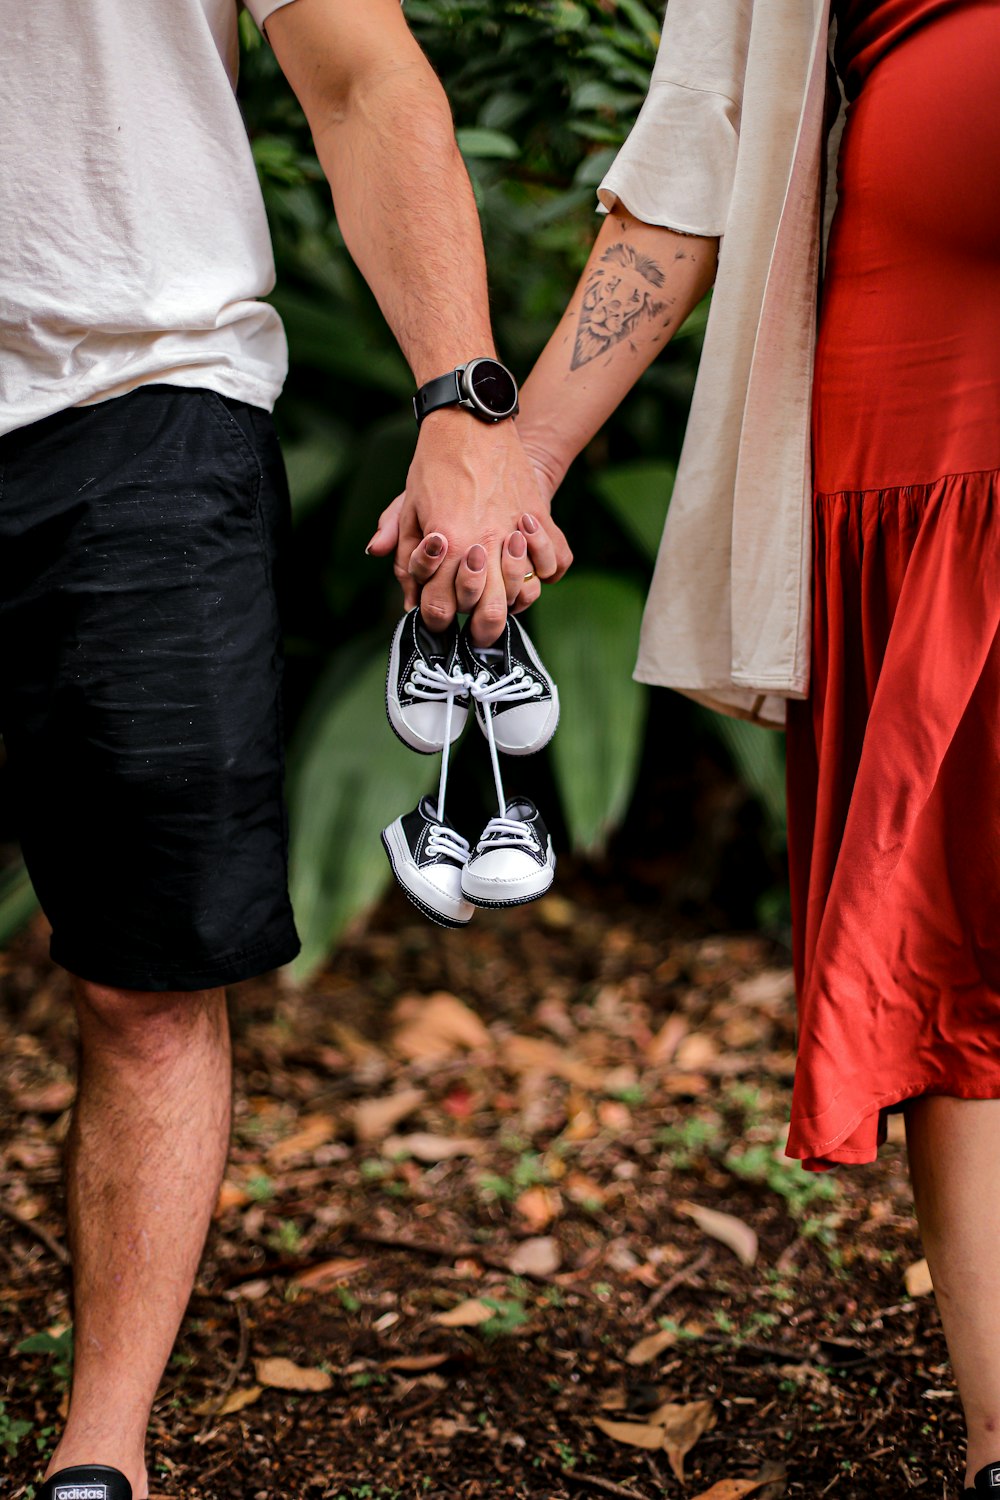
(955, 1164)
(147, 1151)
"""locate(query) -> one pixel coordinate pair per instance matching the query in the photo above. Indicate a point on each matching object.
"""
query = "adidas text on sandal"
(426, 695)
(513, 862)
(512, 686)
(427, 857)
(85, 1482)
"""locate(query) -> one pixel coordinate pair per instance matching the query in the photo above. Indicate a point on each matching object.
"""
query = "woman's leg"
(954, 1147)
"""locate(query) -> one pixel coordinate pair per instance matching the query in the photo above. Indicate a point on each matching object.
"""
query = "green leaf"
(333, 339)
(587, 628)
(637, 495)
(474, 141)
(348, 778)
(759, 758)
(18, 902)
(314, 466)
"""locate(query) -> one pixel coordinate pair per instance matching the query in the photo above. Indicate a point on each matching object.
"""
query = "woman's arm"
(639, 286)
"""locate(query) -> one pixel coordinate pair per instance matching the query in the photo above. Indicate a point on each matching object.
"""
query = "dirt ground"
(507, 1214)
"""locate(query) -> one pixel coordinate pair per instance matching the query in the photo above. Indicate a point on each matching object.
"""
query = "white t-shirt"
(133, 241)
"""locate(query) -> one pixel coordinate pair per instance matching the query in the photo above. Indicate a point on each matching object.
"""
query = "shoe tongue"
(435, 646)
(520, 810)
(987, 1481)
(428, 811)
(86, 1482)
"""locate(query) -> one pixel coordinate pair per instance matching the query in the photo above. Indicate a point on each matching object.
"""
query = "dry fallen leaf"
(415, 1363)
(730, 1489)
(661, 1049)
(285, 1375)
(682, 1424)
(429, 1148)
(649, 1348)
(538, 1206)
(50, 1099)
(435, 1026)
(535, 1054)
(674, 1427)
(540, 1256)
(230, 1196)
(234, 1402)
(468, 1314)
(635, 1434)
(734, 1233)
(695, 1052)
(330, 1273)
(313, 1131)
(918, 1279)
(374, 1118)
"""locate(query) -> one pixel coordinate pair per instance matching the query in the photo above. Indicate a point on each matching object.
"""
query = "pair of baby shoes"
(433, 685)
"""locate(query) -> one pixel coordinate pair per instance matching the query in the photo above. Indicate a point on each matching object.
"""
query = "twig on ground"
(42, 1235)
(234, 1369)
(606, 1486)
(679, 1278)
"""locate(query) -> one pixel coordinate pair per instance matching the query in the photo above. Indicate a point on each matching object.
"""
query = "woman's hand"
(537, 552)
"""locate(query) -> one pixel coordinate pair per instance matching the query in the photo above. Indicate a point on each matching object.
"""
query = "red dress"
(894, 761)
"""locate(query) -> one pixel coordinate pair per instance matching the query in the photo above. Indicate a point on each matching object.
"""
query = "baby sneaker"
(512, 687)
(428, 856)
(513, 861)
(426, 696)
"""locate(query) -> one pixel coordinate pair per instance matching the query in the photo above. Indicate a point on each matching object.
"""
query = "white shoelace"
(435, 685)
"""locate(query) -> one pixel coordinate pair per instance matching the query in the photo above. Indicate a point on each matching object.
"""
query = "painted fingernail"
(517, 546)
(476, 559)
(368, 549)
(434, 546)
(529, 524)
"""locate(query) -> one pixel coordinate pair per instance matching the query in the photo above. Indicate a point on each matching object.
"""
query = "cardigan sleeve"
(678, 165)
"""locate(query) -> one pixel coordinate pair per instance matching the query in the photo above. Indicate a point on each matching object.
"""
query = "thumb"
(386, 538)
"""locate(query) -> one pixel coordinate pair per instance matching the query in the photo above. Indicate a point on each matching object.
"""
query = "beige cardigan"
(730, 142)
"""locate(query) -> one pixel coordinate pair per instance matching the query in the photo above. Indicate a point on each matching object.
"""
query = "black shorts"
(140, 685)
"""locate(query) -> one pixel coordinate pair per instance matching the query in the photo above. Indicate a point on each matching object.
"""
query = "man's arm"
(384, 136)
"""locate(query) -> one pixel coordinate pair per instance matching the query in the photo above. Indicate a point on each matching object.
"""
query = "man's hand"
(473, 521)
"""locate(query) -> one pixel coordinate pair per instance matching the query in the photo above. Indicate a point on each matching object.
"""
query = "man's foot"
(428, 856)
(514, 686)
(85, 1482)
(513, 861)
(424, 702)
(986, 1482)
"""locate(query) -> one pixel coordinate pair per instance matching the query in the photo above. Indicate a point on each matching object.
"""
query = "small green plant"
(287, 1239)
(260, 1188)
(59, 1346)
(509, 1314)
(12, 1430)
(348, 1301)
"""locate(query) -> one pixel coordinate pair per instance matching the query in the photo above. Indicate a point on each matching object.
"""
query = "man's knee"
(146, 1022)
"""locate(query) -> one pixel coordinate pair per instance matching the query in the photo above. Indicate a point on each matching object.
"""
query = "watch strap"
(444, 390)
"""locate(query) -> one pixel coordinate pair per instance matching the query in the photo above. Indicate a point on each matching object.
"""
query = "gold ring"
(529, 575)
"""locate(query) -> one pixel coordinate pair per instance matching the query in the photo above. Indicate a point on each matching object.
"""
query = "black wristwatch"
(483, 386)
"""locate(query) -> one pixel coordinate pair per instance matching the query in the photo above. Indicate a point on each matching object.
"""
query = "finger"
(386, 536)
(561, 551)
(514, 564)
(541, 552)
(427, 557)
(490, 615)
(526, 598)
(470, 580)
(437, 597)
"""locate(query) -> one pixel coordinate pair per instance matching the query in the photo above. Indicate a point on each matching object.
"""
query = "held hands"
(472, 533)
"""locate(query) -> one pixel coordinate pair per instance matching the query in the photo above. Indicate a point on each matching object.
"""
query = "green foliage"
(12, 1430)
(58, 1346)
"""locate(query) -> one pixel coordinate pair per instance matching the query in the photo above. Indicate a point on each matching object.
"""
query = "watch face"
(492, 387)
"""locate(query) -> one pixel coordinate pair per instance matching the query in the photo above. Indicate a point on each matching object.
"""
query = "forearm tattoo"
(618, 297)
